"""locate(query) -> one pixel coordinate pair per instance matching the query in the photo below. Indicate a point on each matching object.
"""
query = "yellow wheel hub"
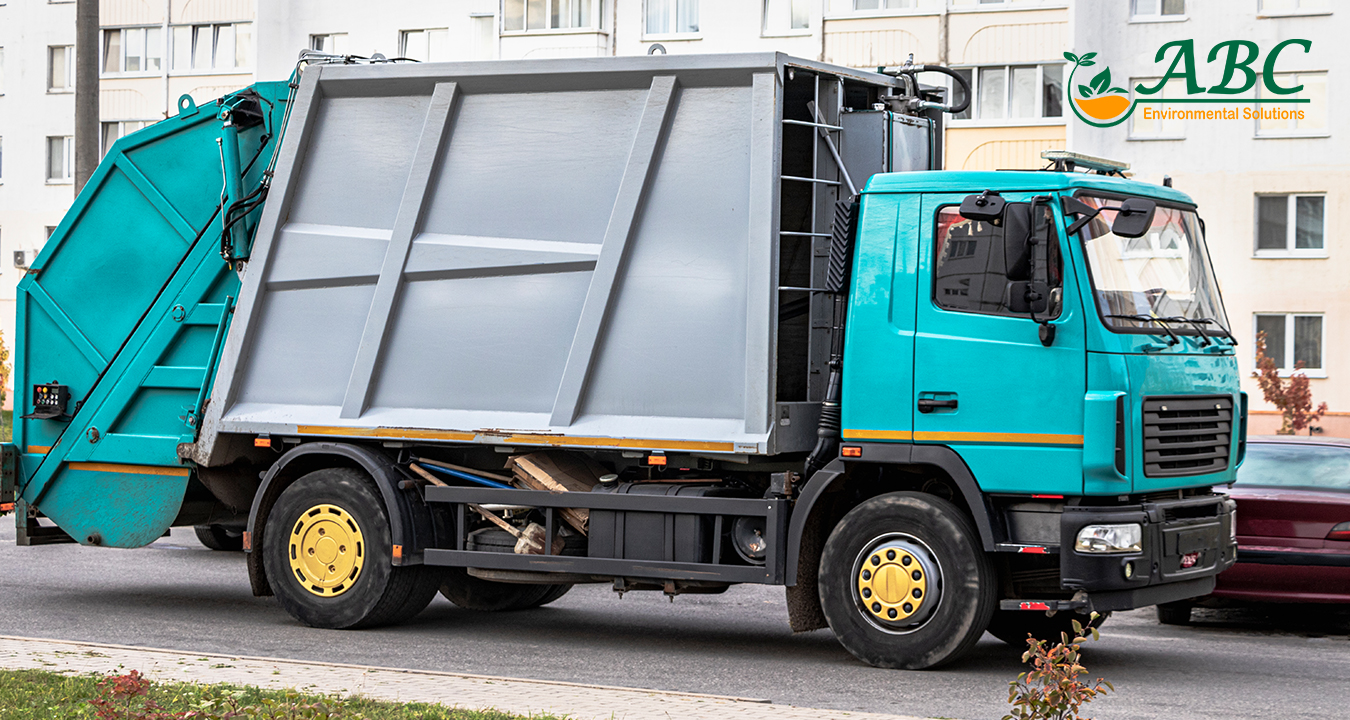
(326, 550)
(892, 584)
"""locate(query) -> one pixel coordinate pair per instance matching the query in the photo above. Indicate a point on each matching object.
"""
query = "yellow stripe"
(523, 439)
(385, 432)
(987, 437)
(39, 449)
(129, 469)
(878, 435)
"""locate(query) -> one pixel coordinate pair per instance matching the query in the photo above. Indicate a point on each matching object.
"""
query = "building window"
(526, 15)
(783, 17)
(1292, 7)
(1157, 9)
(221, 48)
(885, 4)
(60, 68)
(1294, 341)
(332, 43)
(1290, 225)
(1018, 92)
(112, 131)
(60, 159)
(1280, 120)
(1153, 121)
(2, 71)
(483, 36)
(672, 17)
(133, 50)
(431, 45)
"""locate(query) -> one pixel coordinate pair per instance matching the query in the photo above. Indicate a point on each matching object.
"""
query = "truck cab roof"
(1015, 181)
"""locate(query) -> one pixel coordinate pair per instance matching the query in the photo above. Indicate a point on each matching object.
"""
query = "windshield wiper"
(1172, 338)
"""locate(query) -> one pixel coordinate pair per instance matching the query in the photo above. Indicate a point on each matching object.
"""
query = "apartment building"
(1274, 193)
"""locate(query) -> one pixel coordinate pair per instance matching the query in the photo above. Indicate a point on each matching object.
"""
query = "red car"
(1293, 526)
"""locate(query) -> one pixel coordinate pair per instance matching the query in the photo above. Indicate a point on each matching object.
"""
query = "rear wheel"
(327, 550)
(219, 537)
(904, 582)
(1013, 626)
(475, 593)
(1175, 613)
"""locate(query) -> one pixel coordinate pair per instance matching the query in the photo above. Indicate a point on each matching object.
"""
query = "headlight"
(1109, 538)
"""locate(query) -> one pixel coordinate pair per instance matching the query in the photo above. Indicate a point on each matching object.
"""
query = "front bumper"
(1199, 527)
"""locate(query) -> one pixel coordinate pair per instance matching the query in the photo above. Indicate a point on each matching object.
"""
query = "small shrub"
(1051, 690)
(127, 697)
(1292, 397)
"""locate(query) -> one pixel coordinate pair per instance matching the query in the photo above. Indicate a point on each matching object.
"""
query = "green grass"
(42, 695)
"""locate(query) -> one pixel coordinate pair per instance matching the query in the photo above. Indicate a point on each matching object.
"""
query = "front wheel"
(904, 582)
(327, 550)
(1175, 613)
(219, 537)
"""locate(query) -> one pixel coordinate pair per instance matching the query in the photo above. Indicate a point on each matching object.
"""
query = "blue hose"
(466, 476)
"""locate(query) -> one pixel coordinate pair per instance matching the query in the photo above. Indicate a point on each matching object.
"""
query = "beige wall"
(1001, 148)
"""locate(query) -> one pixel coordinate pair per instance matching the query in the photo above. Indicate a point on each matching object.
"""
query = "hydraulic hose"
(913, 70)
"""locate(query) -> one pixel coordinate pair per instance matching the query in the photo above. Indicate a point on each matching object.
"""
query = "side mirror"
(1017, 231)
(985, 207)
(1134, 218)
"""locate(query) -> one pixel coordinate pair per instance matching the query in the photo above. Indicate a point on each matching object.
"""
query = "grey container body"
(573, 252)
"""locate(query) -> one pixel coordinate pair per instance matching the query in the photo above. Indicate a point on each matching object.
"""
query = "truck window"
(968, 269)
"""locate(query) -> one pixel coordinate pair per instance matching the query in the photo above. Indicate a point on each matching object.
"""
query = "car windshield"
(1164, 274)
(1323, 467)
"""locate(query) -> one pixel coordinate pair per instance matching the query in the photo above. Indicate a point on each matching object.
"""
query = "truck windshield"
(1163, 276)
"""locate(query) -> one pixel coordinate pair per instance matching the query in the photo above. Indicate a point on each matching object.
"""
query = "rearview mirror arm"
(1045, 329)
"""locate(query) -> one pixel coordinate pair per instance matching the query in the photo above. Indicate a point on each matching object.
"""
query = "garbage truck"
(667, 323)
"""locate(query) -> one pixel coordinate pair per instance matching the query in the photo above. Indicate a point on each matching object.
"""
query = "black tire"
(219, 537)
(472, 593)
(1013, 626)
(377, 592)
(475, 593)
(1175, 613)
(957, 597)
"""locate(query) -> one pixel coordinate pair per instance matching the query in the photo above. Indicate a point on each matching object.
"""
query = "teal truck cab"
(426, 341)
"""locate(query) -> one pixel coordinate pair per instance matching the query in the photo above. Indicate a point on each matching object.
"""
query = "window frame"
(171, 49)
(2, 70)
(69, 87)
(403, 36)
(597, 20)
(104, 146)
(765, 31)
(1133, 95)
(1038, 118)
(674, 22)
(1324, 131)
(68, 159)
(122, 51)
(1137, 17)
(1261, 12)
(1289, 342)
(1058, 230)
(1290, 228)
(331, 37)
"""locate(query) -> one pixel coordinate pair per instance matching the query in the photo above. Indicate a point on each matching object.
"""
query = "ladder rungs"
(810, 180)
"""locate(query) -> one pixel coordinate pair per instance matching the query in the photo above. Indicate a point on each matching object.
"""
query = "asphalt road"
(177, 594)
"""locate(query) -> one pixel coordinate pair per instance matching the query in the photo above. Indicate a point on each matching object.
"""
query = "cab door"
(984, 383)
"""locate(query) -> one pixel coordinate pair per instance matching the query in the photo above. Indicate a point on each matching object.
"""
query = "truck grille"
(1186, 435)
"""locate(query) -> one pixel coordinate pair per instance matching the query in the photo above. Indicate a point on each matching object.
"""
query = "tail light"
(1340, 532)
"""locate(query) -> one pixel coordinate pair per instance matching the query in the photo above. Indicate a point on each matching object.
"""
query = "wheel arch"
(837, 476)
(410, 524)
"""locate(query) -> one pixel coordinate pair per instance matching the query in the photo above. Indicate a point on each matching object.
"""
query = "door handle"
(926, 405)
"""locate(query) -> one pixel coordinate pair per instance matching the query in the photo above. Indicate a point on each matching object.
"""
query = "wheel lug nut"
(917, 593)
(332, 569)
(890, 554)
(876, 559)
(342, 548)
(320, 531)
(867, 574)
(908, 608)
(891, 613)
(876, 607)
(311, 551)
(916, 575)
(867, 592)
(906, 560)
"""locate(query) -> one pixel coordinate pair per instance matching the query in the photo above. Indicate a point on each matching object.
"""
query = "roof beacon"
(1065, 161)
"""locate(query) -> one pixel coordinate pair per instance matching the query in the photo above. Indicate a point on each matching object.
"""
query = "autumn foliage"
(1291, 395)
(1052, 690)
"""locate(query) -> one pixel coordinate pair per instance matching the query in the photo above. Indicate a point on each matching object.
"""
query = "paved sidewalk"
(514, 695)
